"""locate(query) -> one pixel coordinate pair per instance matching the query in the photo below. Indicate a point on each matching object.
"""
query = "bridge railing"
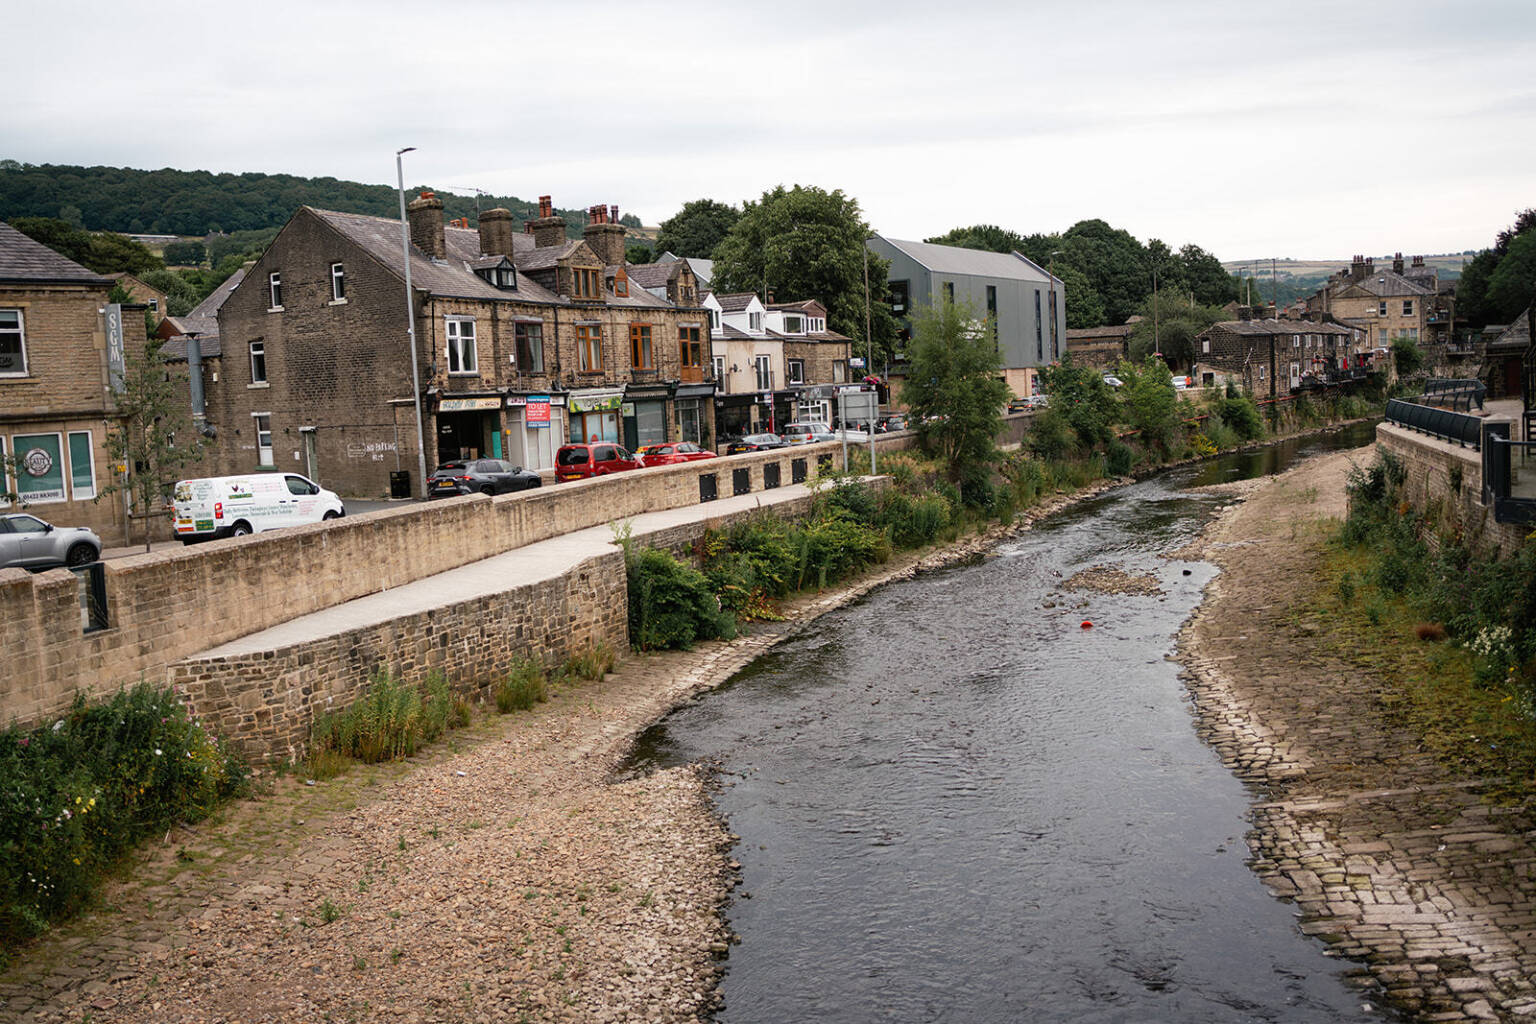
(1509, 475)
(1445, 424)
(1456, 393)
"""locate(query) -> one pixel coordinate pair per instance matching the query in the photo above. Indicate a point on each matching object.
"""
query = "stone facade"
(1445, 482)
(56, 404)
(1269, 357)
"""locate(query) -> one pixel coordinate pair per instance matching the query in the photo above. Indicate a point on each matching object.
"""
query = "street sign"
(858, 407)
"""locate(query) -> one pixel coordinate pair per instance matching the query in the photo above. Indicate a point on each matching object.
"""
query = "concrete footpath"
(529, 564)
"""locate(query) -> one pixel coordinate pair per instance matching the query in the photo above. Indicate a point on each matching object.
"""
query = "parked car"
(890, 422)
(672, 453)
(807, 433)
(1113, 381)
(483, 476)
(755, 443)
(30, 543)
(1183, 383)
(580, 461)
(233, 506)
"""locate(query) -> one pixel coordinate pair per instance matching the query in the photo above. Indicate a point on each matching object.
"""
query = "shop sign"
(628, 410)
(516, 401)
(537, 414)
(597, 403)
(39, 468)
(468, 404)
(117, 361)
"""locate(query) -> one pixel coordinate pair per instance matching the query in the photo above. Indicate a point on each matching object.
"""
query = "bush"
(524, 686)
(671, 604)
(80, 792)
(591, 661)
(850, 498)
(914, 522)
(1050, 437)
(835, 547)
(976, 489)
(388, 722)
(1241, 414)
(1118, 458)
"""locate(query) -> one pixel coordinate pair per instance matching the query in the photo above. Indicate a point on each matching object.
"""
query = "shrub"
(1050, 437)
(1241, 414)
(850, 498)
(591, 661)
(524, 685)
(1118, 458)
(835, 547)
(914, 522)
(386, 723)
(671, 604)
(436, 707)
(976, 490)
(80, 792)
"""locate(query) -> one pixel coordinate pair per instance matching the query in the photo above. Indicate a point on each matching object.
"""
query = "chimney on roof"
(426, 220)
(548, 229)
(1245, 313)
(496, 232)
(1418, 261)
(1357, 268)
(1370, 265)
(605, 237)
(1397, 263)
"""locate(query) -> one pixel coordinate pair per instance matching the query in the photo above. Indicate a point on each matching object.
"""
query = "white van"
(233, 506)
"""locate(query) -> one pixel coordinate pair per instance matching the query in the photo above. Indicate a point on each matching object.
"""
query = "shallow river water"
(957, 804)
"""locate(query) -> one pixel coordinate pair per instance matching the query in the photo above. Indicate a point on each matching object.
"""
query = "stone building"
(1101, 348)
(523, 341)
(1403, 302)
(56, 397)
(1267, 358)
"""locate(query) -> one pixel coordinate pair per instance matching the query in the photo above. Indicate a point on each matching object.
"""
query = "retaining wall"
(1445, 482)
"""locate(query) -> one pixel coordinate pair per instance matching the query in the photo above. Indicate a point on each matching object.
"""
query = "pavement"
(528, 564)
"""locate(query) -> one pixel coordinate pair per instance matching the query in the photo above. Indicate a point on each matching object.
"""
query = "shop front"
(695, 407)
(644, 413)
(594, 414)
(535, 430)
(469, 427)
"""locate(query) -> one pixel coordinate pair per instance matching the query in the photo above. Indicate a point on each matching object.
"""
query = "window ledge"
(337, 302)
(18, 378)
(463, 373)
(275, 309)
(258, 384)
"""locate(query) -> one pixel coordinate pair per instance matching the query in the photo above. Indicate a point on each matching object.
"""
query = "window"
(258, 362)
(755, 321)
(275, 290)
(898, 290)
(461, 346)
(529, 342)
(1205, 346)
(689, 350)
(82, 465)
(794, 325)
(714, 319)
(992, 311)
(5, 477)
(1295, 341)
(621, 283)
(1407, 307)
(39, 469)
(1381, 309)
(796, 371)
(839, 371)
(585, 284)
(640, 346)
(589, 348)
(719, 366)
(949, 292)
(13, 344)
(154, 304)
(763, 365)
(263, 424)
(1039, 332)
(338, 283)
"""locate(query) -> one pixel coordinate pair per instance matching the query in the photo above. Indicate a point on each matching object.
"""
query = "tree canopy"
(1496, 285)
(105, 253)
(954, 387)
(696, 229)
(806, 243)
(1169, 325)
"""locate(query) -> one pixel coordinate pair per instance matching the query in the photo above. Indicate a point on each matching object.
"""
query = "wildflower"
(157, 751)
(58, 725)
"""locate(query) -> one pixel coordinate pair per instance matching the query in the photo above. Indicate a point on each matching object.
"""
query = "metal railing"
(93, 596)
(1442, 423)
(1457, 393)
(1509, 475)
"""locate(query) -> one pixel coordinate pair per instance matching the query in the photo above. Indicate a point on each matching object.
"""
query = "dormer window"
(755, 321)
(621, 283)
(500, 275)
(585, 284)
(794, 325)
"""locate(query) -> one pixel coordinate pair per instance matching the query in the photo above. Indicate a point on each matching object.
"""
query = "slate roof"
(736, 334)
(1384, 284)
(1267, 327)
(952, 259)
(736, 302)
(25, 260)
(652, 275)
(702, 269)
(817, 338)
(1516, 336)
(1107, 331)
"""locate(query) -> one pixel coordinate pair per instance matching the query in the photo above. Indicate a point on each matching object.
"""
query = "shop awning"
(695, 390)
(596, 400)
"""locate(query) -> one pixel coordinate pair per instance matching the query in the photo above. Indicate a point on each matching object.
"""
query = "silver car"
(28, 542)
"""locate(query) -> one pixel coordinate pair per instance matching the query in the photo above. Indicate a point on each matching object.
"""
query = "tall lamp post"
(410, 325)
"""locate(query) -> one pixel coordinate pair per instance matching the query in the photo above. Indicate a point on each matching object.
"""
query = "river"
(956, 803)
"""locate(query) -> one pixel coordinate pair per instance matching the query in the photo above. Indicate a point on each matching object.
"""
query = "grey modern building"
(1027, 304)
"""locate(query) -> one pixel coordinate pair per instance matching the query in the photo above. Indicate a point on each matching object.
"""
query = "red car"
(580, 461)
(671, 453)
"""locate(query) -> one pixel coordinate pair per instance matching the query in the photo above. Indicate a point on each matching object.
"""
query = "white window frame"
(794, 324)
(81, 493)
(251, 349)
(718, 363)
(264, 452)
(274, 291)
(794, 371)
(754, 321)
(454, 349)
(714, 319)
(839, 371)
(20, 332)
(338, 284)
(763, 370)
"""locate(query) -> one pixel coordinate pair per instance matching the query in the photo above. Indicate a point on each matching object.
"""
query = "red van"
(580, 461)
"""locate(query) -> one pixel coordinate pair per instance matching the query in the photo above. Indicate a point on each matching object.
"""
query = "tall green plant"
(954, 387)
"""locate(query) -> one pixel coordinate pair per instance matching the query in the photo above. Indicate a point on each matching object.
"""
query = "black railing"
(1457, 393)
(1509, 475)
(1442, 423)
(93, 596)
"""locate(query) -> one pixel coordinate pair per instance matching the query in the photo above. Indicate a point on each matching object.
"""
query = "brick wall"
(1445, 482)
(266, 702)
(170, 605)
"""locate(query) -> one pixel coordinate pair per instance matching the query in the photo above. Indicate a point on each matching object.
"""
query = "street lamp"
(410, 325)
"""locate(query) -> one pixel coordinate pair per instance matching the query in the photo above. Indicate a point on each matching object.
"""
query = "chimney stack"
(1418, 261)
(1357, 268)
(496, 232)
(548, 229)
(1397, 263)
(425, 214)
(605, 237)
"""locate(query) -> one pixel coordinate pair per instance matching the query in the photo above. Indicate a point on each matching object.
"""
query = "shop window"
(82, 465)
(39, 469)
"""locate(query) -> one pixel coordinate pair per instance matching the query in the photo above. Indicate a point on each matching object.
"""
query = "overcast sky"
(1306, 130)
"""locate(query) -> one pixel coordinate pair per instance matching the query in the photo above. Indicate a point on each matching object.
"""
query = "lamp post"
(410, 325)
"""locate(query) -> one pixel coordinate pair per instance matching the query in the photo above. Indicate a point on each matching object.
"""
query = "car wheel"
(79, 554)
(535, 482)
(487, 489)
(331, 515)
(240, 529)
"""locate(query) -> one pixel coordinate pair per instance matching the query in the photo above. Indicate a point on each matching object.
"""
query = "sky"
(1299, 130)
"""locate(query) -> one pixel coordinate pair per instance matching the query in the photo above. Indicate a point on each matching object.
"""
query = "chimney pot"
(548, 229)
(613, 214)
(546, 206)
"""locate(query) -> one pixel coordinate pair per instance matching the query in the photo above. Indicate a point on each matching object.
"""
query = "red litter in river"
(1087, 624)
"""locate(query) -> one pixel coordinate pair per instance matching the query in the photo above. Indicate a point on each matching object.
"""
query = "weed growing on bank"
(79, 792)
(1459, 628)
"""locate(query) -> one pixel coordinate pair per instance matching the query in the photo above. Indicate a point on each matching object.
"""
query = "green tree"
(103, 252)
(1512, 285)
(638, 252)
(1177, 324)
(629, 220)
(1083, 306)
(1080, 395)
(807, 243)
(955, 389)
(1206, 277)
(1149, 401)
(185, 254)
(697, 228)
(1114, 263)
(154, 436)
(1406, 355)
(181, 294)
(982, 236)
